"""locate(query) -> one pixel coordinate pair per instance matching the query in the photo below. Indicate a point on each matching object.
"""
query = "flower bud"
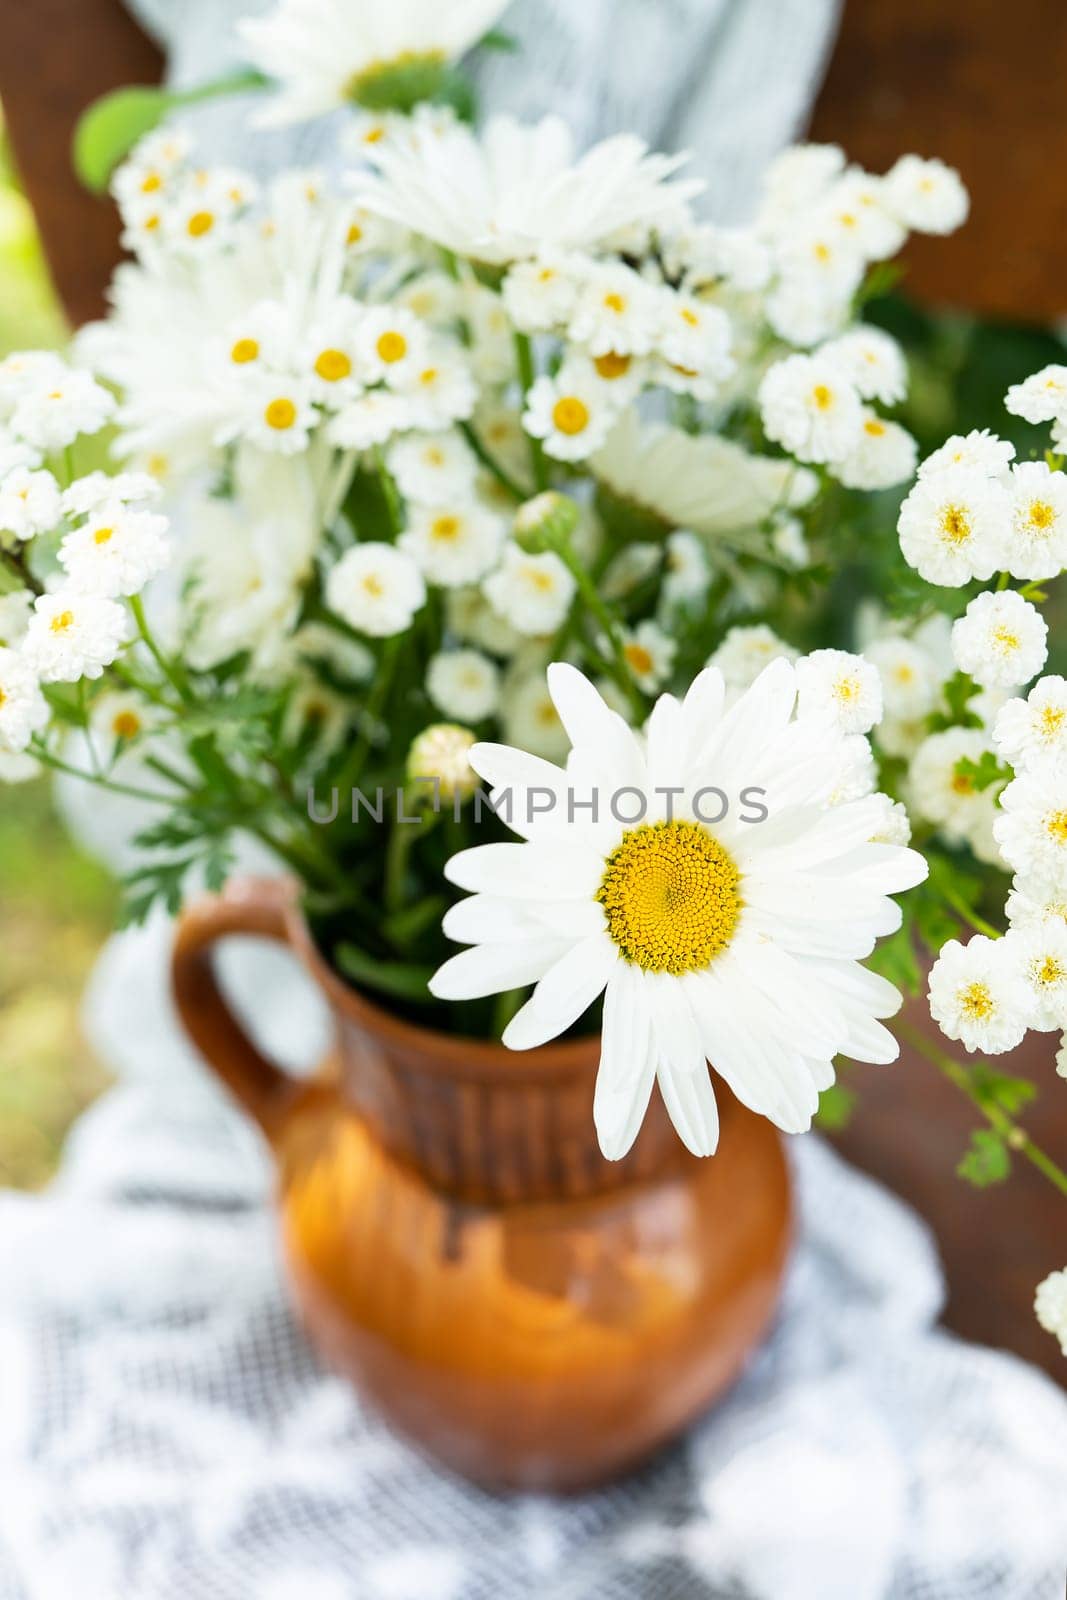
(439, 755)
(545, 523)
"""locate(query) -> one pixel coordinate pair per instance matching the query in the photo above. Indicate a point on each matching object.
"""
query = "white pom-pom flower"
(1027, 730)
(977, 995)
(376, 589)
(1001, 640)
(532, 592)
(811, 408)
(952, 524)
(841, 686)
(926, 196)
(23, 708)
(74, 635)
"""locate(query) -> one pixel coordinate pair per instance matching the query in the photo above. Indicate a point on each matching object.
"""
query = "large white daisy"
(733, 941)
(322, 53)
(515, 190)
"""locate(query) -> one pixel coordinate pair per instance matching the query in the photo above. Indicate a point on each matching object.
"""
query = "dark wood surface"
(950, 78)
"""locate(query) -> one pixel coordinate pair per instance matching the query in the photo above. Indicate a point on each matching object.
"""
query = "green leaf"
(836, 1105)
(984, 772)
(497, 39)
(987, 1160)
(402, 981)
(1010, 1094)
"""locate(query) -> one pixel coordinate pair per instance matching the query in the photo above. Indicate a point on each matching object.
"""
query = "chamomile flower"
(540, 294)
(433, 469)
(29, 504)
(873, 361)
(54, 410)
(1036, 545)
(815, 258)
(25, 372)
(649, 655)
(116, 552)
(1001, 640)
(1040, 954)
(274, 413)
(330, 355)
(464, 684)
(939, 786)
(97, 489)
(23, 708)
(570, 413)
(910, 679)
(1050, 1306)
(746, 650)
(371, 419)
(856, 205)
(727, 942)
(73, 635)
(951, 526)
(811, 408)
(392, 346)
(616, 311)
(884, 456)
(841, 686)
(977, 995)
(686, 571)
(981, 450)
(1031, 828)
(1042, 397)
(441, 392)
(694, 341)
(453, 545)
(117, 717)
(531, 592)
(376, 589)
(1034, 902)
(926, 196)
(1028, 730)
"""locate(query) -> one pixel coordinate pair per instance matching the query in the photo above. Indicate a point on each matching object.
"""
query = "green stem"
(372, 711)
(966, 914)
(46, 759)
(527, 378)
(598, 607)
(389, 490)
(173, 674)
(492, 465)
(1014, 1136)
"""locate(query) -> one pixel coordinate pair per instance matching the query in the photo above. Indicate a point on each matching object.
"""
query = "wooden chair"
(957, 79)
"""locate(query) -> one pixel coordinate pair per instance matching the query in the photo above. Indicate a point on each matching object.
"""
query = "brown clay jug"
(529, 1313)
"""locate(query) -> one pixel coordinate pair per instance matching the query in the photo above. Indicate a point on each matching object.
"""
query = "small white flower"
(927, 196)
(986, 452)
(376, 589)
(1027, 730)
(801, 313)
(52, 413)
(798, 176)
(471, 618)
(977, 995)
(1040, 954)
(464, 684)
(842, 686)
(540, 295)
(1036, 546)
(275, 413)
(855, 771)
(893, 825)
(1042, 397)
(330, 355)
(441, 391)
(29, 504)
(694, 340)
(687, 574)
(1034, 902)
(531, 720)
(811, 408)
(16, 609)
(533, 593)
(392, 345)
(910, 679)
(856, 205)
(746, 650)
(649, 655)
(941, 793)
(433, 469)
(370, 420)
(23, 708)
(1032, 826)
(885, 456)
(74, 635)
(25, 371)
(100, 488)
(873, 361)
(815, 257)
(951, 526)
(1001, 640)
(789, 542)
(116, 551)
(1050, 1306)
(572, 417)
(454, 545)
(616, 312)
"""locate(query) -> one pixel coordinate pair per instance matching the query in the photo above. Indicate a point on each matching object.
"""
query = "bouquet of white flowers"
(489, 461)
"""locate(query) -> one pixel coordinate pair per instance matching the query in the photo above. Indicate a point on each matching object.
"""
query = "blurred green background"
(56, 907)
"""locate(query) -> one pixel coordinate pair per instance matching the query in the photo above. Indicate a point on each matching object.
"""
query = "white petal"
(627, 1065)
(492, 969)
(563, 994)
(673, 1024)
(591, 724)
(690, 1101)
(563, 870)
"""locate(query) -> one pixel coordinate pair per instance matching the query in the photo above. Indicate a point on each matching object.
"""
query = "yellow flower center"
(1041, 515)
(687, 314)
(639, 659)
(333, 365)
(847, 690)
(976, 1002)
(151, 182)
(1048, 972)
(955, 524)
(373, 585)
(244, 351)
(823, 253)
(354, 234)
(392, 347)
(1052, 720)
(962, 783)
(434, 456)
(280, 414)
(62, 621)
(199, 223)
(613, 301)
(874, 427)
(612, 365)
(823, 396)
(1056, 826)
(429, 377)
(1004, 640)
(103, 535)
(671, 896)
(126, 724)
(445, 528)
(570, 415)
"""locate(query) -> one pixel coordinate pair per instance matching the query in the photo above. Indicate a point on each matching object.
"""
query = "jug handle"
(263, 908)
